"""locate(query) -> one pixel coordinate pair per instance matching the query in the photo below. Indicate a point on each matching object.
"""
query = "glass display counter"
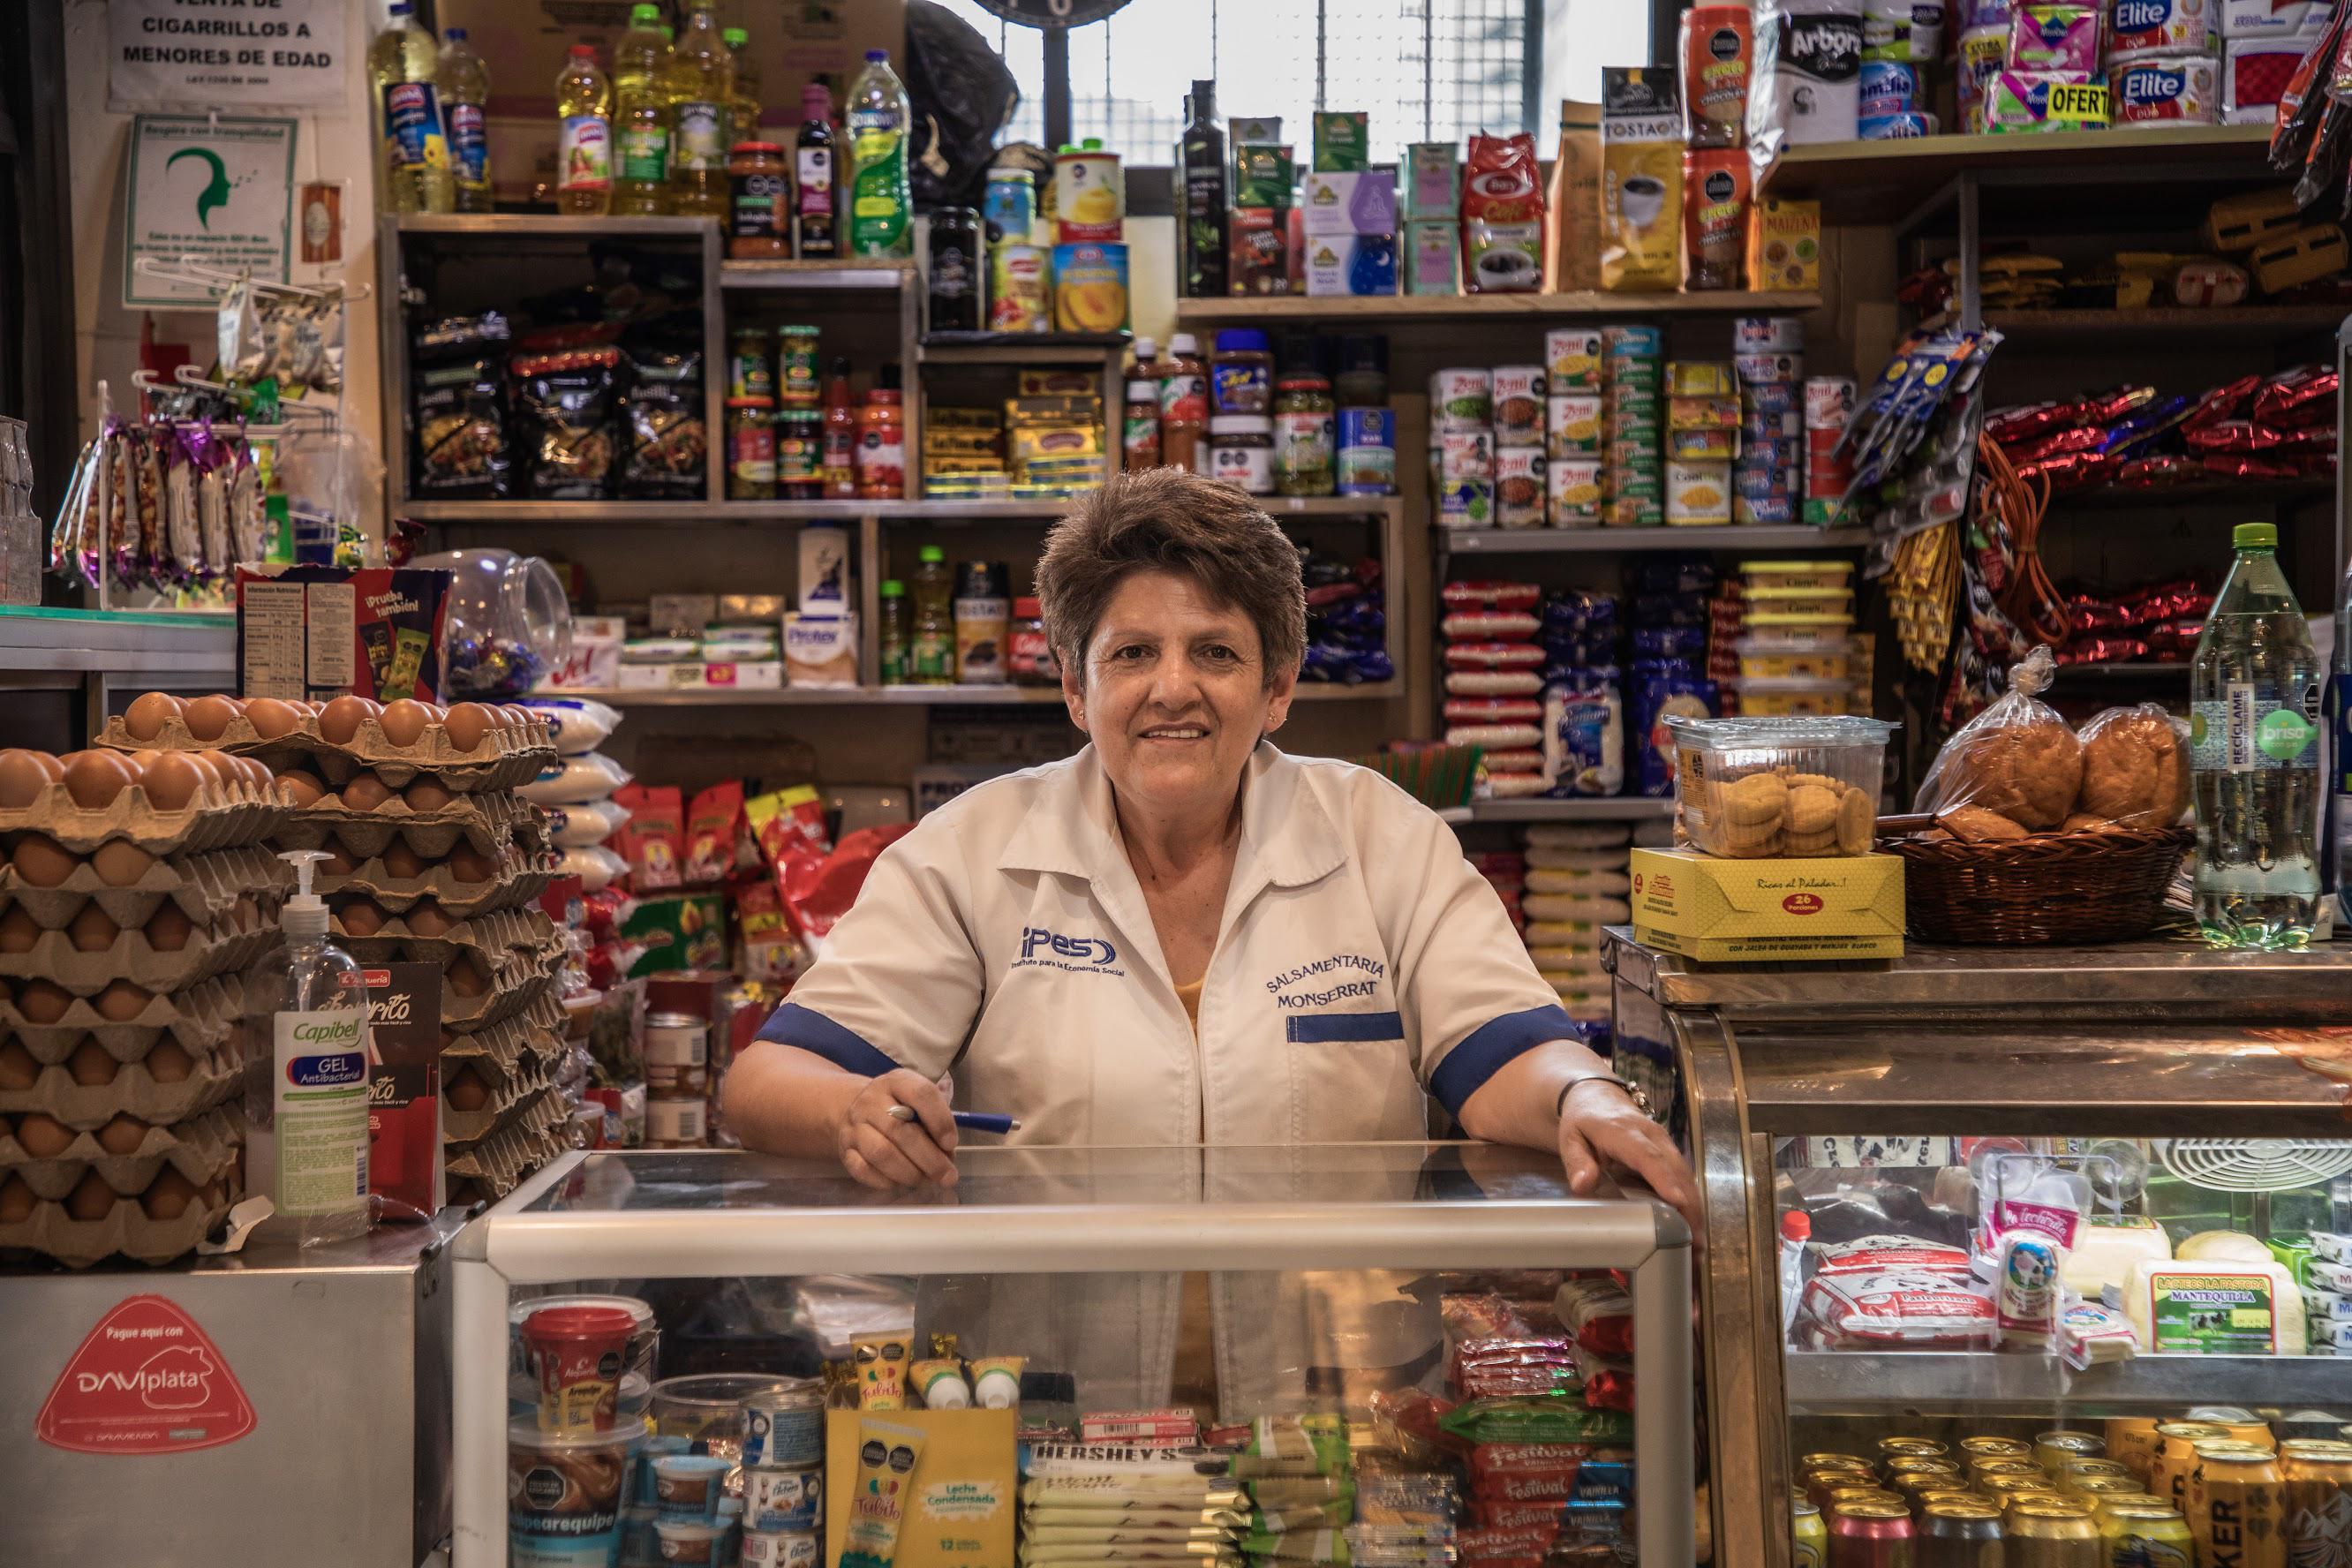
(1383, 1354)
(1985, 1195)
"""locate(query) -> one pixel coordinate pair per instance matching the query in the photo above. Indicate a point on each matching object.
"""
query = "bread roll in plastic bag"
(2135, 769)
(2017, 760)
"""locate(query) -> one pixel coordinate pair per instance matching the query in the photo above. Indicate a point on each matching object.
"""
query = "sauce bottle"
(1183, 404)
(814, 168)
(931, 649)
(840, 441)
(881, 465)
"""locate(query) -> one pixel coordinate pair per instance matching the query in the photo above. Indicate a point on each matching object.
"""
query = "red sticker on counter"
(145, 1381)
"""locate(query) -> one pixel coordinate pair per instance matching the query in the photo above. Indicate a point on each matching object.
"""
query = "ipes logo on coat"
(1040, 946)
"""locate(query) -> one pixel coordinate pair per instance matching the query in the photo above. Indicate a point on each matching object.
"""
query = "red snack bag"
(1502, 216)
(765, 949)
(1883, 1253)
(2246, 466)
(2008, 426)
(2106, 407)
(2227, 401)
(2103, 650)
(1493, 1461)
(1502, 596)
(818, 890)
(786, 818)
(1523, 1540)
(711, 829)
(2298, 396)
(605, 911)
(1514, 1516)
(1611, 1390)
(654, 842)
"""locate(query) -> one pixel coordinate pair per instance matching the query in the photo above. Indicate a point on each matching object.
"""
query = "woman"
(1180, 935)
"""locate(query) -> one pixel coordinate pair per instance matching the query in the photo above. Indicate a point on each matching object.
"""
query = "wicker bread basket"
(2070, 888)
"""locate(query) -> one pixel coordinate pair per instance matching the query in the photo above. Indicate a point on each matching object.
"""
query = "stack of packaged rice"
(1493, 681)
(1632, 367)
(1766, 358)
(1574, 884)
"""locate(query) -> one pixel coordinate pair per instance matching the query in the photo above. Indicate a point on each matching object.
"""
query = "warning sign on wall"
(145, 1381)
(224, 54)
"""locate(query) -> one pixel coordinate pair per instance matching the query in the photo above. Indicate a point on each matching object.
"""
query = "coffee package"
(1641, 181)
(1571, 261)
(1502, 217)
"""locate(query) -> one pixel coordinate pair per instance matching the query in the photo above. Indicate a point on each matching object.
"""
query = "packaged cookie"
(1795, 787)
(2135, 769)
(2017, 759)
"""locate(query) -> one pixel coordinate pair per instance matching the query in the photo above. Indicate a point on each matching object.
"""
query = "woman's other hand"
(881, 1151)
(1600, 1127)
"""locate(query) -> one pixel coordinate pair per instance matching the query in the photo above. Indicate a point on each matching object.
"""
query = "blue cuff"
(1468, 1066)
(793, 1025)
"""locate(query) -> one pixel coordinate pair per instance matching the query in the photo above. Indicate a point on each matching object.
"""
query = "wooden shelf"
(2159, 328)
(1882, 182)
(551, 226)
(1625, 540)
(916, 696)
(1459, 308)
(846, 274)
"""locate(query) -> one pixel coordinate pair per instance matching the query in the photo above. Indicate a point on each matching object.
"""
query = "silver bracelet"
(1633, 1092)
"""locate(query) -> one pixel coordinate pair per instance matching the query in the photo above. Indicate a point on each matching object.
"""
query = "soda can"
(2052, 1532)
(1839, 1496)
(1839, 1461)
(2104, 1503)
(2241, 1424)
(1810, 1537)
(1869, 1535)
(2098, 1487)
(2175, 1458)
(1958, 1535)
(2076, 1471)
(2053, 1449)
(2315, 1481)
(2001, 1488)
(2235, 1514)
(1990, 1446)
(2144, 1535)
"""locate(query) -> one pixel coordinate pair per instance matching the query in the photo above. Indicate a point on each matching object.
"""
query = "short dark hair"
(1168, 520)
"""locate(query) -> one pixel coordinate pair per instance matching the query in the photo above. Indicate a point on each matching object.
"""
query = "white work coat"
(1362, 968)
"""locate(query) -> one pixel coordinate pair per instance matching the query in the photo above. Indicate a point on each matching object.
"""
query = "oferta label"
(2212, 1314)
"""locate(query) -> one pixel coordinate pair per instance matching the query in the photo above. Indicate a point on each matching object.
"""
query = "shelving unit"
(1343, 314)
(1627, 541)
(914, 696)
(1930, 1384)
(90, 655)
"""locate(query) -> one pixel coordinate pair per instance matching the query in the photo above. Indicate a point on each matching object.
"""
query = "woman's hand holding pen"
(879, 1149)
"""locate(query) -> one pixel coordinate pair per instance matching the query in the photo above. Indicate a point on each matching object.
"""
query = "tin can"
(1572, 424)
(1519, 487)
(1461, 399)
(796, 377)
(2098, 1487)
(1927, 1495)
(1908, 1452)
(2105, 1503)
(2144, 1535)
(1844, 1461)
(1862, 1496)
(2235, 1512)
(2175, 1458)
(1572, 359)
(2052, 1532)
(1089, 197)
(672, 1079)
(1090, 286)
(1828, 404)
(1809, 1538)
(779, 1549)
(1819, 1481)
(676, 1039)
(1019, 289)
(784, 1427)
(1917, 1484)
(1753, 368)
(1009, 207)
(1869, 1535)
(1991, 1447)
(1465, 455)
(1465, 503)
(750, 363)
(2240, 1423)
(2053, 1449)
(1367, 452)
(2001, 1488)
(783, 1499)
(1768, 334)
(1921, 1465)
(676, 1123)
(1958, 1535)
(1518, 391)
(1573, 499)
(2076, 1471)
(2315, 1482)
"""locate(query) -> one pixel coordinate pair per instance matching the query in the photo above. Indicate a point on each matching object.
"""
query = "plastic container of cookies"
(1796, 787)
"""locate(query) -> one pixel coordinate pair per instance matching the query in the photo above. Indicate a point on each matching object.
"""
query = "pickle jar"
(751, 448)
(1306, 437)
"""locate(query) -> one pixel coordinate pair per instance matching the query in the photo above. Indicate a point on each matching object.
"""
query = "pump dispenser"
(308, 1054)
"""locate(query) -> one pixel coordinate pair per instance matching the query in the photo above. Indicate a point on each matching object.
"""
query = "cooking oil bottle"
(413, 171)
(744, 102)
(641, 116)
(583, 156)
(881, 203)
(464, 84)
(701, 88)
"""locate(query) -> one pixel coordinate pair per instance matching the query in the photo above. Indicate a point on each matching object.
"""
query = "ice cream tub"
(563, 1495)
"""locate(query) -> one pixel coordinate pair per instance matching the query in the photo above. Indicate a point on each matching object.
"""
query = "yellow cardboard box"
(1759, 911)
(959, 1510)
(1784, 244)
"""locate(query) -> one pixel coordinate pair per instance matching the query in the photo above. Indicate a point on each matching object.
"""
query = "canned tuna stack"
(1461, 447)
(1573, 411)
(1702, 431)
(1768, 357)
(1633, 366)
(1519, 415)
(1493, 666)
(1829, 473)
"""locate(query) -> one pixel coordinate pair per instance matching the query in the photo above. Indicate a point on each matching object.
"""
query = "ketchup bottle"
(1183, 404)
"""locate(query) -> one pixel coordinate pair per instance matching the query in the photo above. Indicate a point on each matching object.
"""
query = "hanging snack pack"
(457, 399)
(668, 436)
(1641, 181)
(567, 407)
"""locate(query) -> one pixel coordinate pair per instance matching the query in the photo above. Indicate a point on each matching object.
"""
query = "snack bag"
(654, 842)
(1641, 181)
(2013, 769)
(2136, 770)
(712, 827)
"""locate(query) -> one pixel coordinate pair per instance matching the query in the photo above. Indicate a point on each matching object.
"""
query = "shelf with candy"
(2279, 429)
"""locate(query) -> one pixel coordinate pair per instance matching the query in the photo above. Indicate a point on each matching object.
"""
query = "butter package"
(1356, 202)
(2160, 28)
(2215, 1307)
(2182, 91)
(1784, 244)
(1641, 181)
(2045, 100)
(1346, 264)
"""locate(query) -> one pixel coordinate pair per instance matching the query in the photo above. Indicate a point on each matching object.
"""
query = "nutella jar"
(1241, 451)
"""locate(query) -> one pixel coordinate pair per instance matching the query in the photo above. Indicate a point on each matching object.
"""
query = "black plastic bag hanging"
(962, 95)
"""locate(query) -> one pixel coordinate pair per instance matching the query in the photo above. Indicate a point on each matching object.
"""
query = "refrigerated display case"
(2159, 1082)
(1345, 1278)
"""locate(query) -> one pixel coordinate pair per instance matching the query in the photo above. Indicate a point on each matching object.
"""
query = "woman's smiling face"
(1174, 694)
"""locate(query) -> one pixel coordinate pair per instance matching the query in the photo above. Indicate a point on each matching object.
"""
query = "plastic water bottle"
(2255, 718)
(464, 84)
(881, 202)
(411, 142)
(2340, 805)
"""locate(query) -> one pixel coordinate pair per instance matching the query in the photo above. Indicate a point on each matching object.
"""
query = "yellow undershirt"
(1194, 1380)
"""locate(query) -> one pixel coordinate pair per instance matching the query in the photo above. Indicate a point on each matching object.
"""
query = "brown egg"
(300, 786)
(122, 1135)
(404, 722)
(245, 911)
(401, 862)
(90, 1065)
(120, 864)
(470, 865)
(24, 776)
(168, 1061)
(365, 791)
(168, 928)
(91, 1198)
(42, 863)
(145, 718)
(340, 862)
(466, 724)
(361, 918)
(171, 779)
(17, 1201)
(271, 718)
(95, 778)
(428, 794)
(424, 917)
(208, 717)
(92, 931)
(121, 1002)
(167, 1198)
(19, 1070)
(466, 977)
(467, 1091)
(435, 711)
(43, 1136)
(338, 722)
(256, 772)
(17, 931)
(43, 1001)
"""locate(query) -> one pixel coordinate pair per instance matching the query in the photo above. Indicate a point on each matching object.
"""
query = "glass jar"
(881, 446)
(751, 448)
(1241, 373)
(955, 270)
(1306, 437)
(796, 383)
(751, 363)
(1364, 381)
(1241, 452)
(1028, 656)
(799, 454)
(759, 203)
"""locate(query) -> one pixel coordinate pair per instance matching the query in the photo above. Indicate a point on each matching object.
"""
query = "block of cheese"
(2215, 1246)
(2224, 1308)
(2106, 1248)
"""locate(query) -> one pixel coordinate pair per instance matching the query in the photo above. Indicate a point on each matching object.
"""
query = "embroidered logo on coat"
(1046, 949)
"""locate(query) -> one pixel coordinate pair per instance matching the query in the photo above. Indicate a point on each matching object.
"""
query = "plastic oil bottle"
(641, 116)
(306, 1076)
(931, 645)
(584, 154)
(413, 145)
(881, 202)
(744, 104)
(2253, 718)
(700, 93)
(893, 631)
(465, 83)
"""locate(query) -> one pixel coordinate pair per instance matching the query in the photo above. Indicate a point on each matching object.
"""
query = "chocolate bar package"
(404, 1089)
(314, 633)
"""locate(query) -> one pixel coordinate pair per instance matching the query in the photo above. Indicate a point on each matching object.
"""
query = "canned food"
(1019, 295)
(1572, 491)
(1901, 1462)
(1466, 503)
(1768, 334)
(2316, 1491)
(784, 1498)
(1519, 487)
(1465, 455)
(1869, 1535)
(2104, 1503)
(1701, 378)
(1572, 424)
(1089, 197)
(2236, 1516)
(2096, 1487)
(672, 1079)
(1519, 392)
(1958, 1534)
(2052, 1532)
(796, 379)
(1845, 1461)
(2141, 1535)
(1828, 404)
(2008, 1447)
(1462, 399)
(676, 1039)
(1632, 341)
(2175, 1458)
(2053, 1449)
(779, 1549)
(783, 1428)
(1572, 359)
(2072, 1471)
(681, 1123)
(1753, 368)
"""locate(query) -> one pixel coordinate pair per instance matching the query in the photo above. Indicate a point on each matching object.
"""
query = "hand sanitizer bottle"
(306, 1078)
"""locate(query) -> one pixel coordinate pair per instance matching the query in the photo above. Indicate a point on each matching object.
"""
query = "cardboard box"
(1784, 244)
(1767, 911)
(759, 675)
(960, 1501)
(1352, 264)
(1433, 180)
(313, 633)
(1433, 257)
(1362, 202)
(1342, 139)
(1258, 260)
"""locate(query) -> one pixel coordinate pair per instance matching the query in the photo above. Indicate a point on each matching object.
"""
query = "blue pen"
(970, 1121)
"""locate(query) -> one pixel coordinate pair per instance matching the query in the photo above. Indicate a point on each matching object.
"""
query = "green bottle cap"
(893, 589)
(644, 12)
(669, 33)
(2255, 536)
(931, 553)
(735, 37)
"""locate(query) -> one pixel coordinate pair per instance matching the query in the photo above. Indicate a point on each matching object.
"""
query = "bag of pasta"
(2013, 769)
(668, 437)
(457, 378)
(567, 407)
(2136, 770)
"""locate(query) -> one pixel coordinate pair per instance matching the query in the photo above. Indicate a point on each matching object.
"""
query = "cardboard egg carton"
(490, 822)
(505, 757)
(199, 1018)
(496, 1165)
(512, 1048)
(218, 817)
(538, 1005)
(206, 887)
(523, 877)
(226, 946)
(513, 945)
(511, 1104)
(125, 1232)
(213, 1077)
(199, 1149)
